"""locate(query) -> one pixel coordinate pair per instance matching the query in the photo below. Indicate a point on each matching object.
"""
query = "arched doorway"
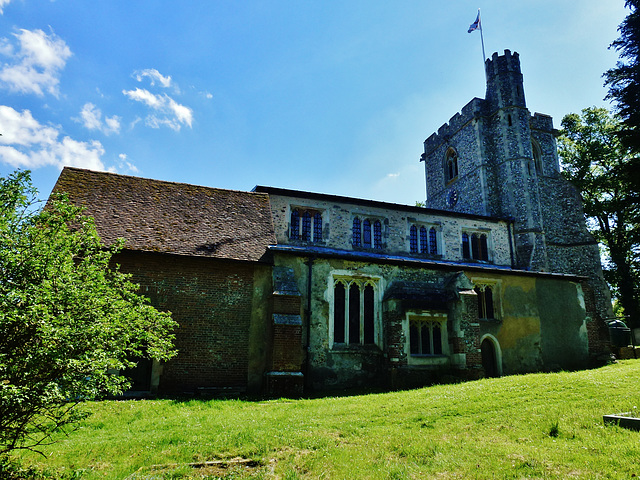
(491, 357)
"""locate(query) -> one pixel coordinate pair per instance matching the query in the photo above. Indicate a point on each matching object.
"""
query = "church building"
(287, 292)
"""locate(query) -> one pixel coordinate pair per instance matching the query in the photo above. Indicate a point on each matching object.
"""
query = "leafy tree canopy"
(69, 320)
(624, 80)
(596, 161)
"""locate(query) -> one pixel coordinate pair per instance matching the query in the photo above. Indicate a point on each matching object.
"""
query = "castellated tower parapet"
(504, 82)
(495, 158)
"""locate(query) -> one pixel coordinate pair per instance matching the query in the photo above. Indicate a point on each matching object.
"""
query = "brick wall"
(211, 301)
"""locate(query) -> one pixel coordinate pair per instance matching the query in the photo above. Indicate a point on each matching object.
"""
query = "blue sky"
(327, 96)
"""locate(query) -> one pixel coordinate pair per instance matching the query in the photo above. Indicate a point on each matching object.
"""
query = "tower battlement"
(470, 111)
(497, 64)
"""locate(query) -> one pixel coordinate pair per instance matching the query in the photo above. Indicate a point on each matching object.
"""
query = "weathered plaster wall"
(563, 324)
(519, 326)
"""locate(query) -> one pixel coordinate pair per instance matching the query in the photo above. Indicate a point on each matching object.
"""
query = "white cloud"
(36, 65)
(153, 75)
(25, 143)
(3, 3)
(91, 118)
(126, 165)
(168, 112)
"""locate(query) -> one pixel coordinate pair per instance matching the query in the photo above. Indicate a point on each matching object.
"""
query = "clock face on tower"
(452, 198)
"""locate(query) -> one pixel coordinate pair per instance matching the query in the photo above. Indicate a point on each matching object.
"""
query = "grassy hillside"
(531, 426)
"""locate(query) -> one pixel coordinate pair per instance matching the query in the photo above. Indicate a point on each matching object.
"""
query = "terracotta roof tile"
(169, 217)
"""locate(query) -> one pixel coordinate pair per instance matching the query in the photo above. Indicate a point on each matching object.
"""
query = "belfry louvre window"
(451, 165)
(363, 235)
(305, 225)
(475, 246)
(354, 312)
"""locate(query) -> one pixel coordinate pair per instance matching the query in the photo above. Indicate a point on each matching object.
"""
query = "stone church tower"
(495, 158)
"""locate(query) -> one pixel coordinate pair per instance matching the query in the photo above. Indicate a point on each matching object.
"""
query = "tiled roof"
(167, 217)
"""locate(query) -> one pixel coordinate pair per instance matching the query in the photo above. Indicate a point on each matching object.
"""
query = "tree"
(624, 79)
(595, 160)
(69, 319)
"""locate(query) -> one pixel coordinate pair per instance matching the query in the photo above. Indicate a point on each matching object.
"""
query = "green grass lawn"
(531, 426)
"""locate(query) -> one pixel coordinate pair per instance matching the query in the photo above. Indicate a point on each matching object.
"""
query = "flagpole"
(477, 25)
(484, 56)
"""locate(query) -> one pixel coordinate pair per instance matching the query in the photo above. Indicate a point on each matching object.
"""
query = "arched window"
(475, 246)
(451, 165)
(369, 315)
(339, 298)
(357, 233)
(537, 156)
(377, 234)
(366, 233)
(413, 239)
(433, 241)
(354, 312)
(466, 252)
(295, 224)
(306, 226)
(317, 227)
(425, 337)
(485, 302)
(424, 240)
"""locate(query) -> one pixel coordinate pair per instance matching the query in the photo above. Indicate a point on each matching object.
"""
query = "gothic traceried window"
(305, 225)
(367, 233)
(355, 312)
(425, 337)
(488, 295)
(423, 239)
(475, 246)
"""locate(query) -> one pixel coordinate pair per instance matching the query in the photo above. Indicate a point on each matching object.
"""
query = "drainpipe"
(511, 253)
